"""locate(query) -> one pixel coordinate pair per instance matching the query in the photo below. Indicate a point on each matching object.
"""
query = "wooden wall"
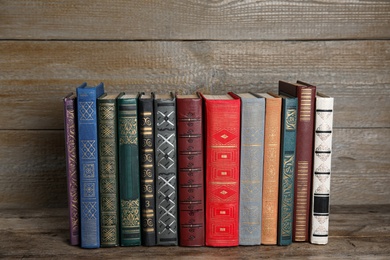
(48, 48)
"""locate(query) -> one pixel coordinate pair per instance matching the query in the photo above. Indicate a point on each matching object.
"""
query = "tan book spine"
(271, 170)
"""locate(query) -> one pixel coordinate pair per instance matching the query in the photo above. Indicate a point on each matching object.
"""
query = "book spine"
(88, 165)
(322, 170)
(271, 171)
(72, 172)
(303, 164)
(251, 170)
(146, 157)
(166, 172)
(108, 173)
(129, 191)
(222, 172)
(190, 171)
(287, 164)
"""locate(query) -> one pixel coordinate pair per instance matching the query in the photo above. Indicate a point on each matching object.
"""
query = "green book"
(287, 162)
(108, 171)
(129, 182)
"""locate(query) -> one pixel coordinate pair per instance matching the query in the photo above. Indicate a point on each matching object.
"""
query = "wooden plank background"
(48, 49)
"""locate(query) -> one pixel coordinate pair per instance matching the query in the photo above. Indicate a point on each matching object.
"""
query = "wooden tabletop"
(355, 232)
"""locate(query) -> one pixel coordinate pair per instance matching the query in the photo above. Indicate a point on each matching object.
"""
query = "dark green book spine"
(287, 160)
(108, 171)
(129, 192)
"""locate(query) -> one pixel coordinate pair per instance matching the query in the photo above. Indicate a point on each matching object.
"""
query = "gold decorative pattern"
(128, 130)
(130, 213)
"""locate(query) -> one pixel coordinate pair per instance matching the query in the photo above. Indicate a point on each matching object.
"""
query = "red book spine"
(190, 170)
(222, 170)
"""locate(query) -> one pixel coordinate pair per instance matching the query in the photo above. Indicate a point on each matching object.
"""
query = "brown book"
(304, 155)
(269, 222)
(190, 170)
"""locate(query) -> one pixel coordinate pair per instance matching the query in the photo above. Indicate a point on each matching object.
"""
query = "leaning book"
(88, 164)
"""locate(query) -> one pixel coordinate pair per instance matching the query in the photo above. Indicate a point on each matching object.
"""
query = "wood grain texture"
(355, 232)
(194, 20)
(32, 169)
(34, 76)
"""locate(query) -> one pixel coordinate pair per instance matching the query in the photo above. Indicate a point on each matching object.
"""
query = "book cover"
(251, 167)
(190, 170)
(72, 172)
(129, 180)
(287, 165)
(304, 155)
(166, 169)
(146, 157)
(273, 110)
(88, 164)
(222, 147)
(322, 169)
(108, 170)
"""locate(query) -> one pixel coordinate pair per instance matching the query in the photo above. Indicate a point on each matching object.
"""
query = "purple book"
(70, 120)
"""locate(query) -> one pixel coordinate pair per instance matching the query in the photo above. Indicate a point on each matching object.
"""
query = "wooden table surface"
(355, 232)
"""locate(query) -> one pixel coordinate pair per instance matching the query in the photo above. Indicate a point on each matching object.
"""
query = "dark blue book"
(88, 164)
(287, 163)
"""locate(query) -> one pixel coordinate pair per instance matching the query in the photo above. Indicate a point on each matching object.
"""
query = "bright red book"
(190, 170)
(222, 133)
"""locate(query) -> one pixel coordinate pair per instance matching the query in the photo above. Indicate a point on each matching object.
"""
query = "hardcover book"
(190, 170)
(146, 157)
(222, 146)
(108, 170)
(304, 155)
(129, 182)
(287, 164)
(322, 169)
(166, 169)
(251, 167)
(273, 110)
(72, 173)
(88, 164)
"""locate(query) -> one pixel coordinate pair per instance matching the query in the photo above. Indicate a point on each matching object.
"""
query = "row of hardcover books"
(198, 170)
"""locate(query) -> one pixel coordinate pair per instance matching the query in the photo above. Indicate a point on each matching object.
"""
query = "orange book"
(273, 112)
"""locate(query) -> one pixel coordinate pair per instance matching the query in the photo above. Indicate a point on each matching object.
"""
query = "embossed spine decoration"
(88, 164)
(322, 169)
(146, 157)
(251, 168)
(222, 130)
(190, 170)
(166, 169)
(304, 155)
(72, 173)
(108, 171)
(273, 109)
(129, 182)
(287, 165)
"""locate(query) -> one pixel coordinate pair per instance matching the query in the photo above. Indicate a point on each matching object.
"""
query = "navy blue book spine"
(88, 163)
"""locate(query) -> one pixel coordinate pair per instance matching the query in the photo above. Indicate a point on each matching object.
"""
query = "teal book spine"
(287, 166)
(251, 168)
(129, 180)
(88, 164)
(108, 171)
